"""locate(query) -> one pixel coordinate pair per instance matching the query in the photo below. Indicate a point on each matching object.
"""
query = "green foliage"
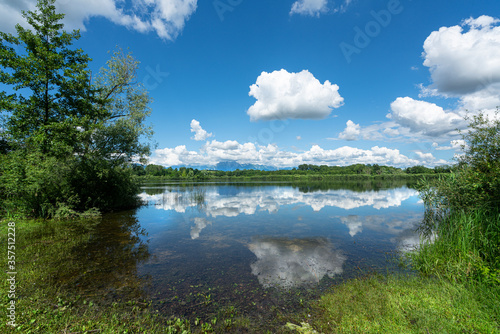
(104, 186)
(42, 186)
(66, 144)
(302, 173)
(54, 96)
(462, 211)
(418, 170)
(35, 184)
(475, 183)
(124, 104)
(482, 158)
(155, 170)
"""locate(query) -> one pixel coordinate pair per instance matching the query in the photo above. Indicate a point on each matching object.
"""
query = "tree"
(67, 142)
(54, 98)
(155, 170)
(123, 106)
(475, 183)
(481, 158)
(419, 170)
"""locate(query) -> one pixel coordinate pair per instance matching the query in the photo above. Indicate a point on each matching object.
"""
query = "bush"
(34, 184)
(104, 186)
(462, 210)
(42, 186)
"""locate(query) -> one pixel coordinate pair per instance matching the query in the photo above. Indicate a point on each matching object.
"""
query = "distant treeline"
(305, 171)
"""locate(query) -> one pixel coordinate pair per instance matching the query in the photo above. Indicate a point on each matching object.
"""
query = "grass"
(408, 305)
(466, 247)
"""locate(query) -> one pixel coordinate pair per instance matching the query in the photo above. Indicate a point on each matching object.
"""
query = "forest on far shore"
(181, 173)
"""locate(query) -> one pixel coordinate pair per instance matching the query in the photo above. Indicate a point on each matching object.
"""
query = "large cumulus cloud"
(424, 117)
(282, 95)
(166, 18)
(464, 59)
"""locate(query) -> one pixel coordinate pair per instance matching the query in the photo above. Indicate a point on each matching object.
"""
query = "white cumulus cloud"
(456, 145)
(424, 117)
(309, 7)
(282, 95)
(166, 18)
(214, 152)
(199, 133)
(351, 131)
(463, 62)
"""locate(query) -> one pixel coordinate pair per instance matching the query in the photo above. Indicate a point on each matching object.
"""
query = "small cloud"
(343, 7)
(457, 145)
(414, 68)
(309, 7)
(199, 133)
(299, 138)
(351, 132)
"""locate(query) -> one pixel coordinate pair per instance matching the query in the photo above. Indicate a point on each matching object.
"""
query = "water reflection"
(199, 225)
(287, 263)
(354, 223)
(105, 260)
(310, 232)
(228, 201)
(393, 224)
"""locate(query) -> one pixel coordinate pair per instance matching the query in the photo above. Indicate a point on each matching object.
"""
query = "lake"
(258, 250)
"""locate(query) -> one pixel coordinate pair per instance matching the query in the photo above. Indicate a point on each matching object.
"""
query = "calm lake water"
(261, 250)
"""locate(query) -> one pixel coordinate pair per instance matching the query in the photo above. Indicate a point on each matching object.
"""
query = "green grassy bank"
(408, 305)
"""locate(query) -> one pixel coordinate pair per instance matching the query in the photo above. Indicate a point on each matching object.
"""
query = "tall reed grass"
(466, 246)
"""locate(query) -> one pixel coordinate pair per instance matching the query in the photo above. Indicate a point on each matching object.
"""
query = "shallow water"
(263, 249)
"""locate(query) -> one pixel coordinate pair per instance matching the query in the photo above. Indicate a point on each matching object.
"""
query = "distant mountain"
(227, 166)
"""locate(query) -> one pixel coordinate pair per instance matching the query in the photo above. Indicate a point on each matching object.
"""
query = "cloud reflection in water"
(199, 225)
(271, 200)
(289, 263)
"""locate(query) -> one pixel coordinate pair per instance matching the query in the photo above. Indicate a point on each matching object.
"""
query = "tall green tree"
(67, 141)
(481, 158)
(475, 183)
(53, 96)
(120, 134)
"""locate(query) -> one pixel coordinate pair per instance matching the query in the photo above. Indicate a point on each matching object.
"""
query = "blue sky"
(310, 81)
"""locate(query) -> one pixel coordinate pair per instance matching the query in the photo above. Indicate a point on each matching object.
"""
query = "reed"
(466, 247)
